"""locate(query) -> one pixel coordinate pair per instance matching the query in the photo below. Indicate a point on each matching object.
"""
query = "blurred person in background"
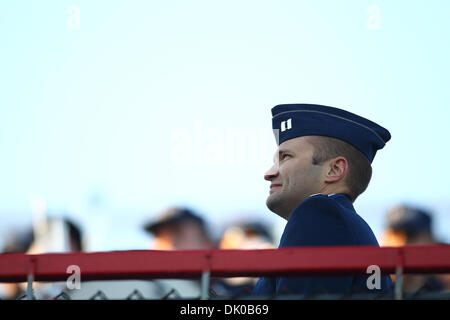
(408, 225)
(62, 235)
(56, 234)
(47, 235)
(15, 242)
(179, 228)
(53, 235)
(246, 235)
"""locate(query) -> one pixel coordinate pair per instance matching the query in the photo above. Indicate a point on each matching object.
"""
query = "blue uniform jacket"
(324, 220)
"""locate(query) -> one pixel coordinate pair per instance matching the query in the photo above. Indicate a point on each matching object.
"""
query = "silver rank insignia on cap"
(286, 125)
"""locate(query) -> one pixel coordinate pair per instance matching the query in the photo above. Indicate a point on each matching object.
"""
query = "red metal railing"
(146, 264)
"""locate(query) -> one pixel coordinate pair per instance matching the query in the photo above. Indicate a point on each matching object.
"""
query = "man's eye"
(284, 156)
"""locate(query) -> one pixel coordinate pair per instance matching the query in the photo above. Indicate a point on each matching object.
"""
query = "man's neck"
(333, 189)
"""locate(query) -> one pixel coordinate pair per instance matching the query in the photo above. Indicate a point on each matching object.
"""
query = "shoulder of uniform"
(319, 203)
(317, 220)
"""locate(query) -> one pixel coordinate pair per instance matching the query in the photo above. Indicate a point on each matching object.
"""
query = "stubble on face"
(293, 176)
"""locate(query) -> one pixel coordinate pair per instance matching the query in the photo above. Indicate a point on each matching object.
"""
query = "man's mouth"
(273, 186)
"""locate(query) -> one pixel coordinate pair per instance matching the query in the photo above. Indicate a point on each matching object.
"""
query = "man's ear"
(336, 169)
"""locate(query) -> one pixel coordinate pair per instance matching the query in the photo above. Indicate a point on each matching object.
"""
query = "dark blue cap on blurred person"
(172, 216)
(409, 220)
(256, 228)
(296, 120)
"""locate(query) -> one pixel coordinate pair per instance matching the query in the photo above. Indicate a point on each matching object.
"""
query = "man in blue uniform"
(322, 164)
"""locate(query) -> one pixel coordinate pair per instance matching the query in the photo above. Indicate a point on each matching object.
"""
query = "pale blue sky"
(106, 107)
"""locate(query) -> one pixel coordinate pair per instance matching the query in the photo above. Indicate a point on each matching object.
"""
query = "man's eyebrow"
(280, 151)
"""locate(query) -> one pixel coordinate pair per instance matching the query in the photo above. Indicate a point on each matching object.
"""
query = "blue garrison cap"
(296, 120)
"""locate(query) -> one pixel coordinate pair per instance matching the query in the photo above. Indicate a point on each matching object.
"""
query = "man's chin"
(275, 204)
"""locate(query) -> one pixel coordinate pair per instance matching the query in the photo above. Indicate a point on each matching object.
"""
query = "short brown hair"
(359, 168)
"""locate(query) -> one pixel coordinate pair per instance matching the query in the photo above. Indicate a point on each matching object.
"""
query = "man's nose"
(271, 173)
